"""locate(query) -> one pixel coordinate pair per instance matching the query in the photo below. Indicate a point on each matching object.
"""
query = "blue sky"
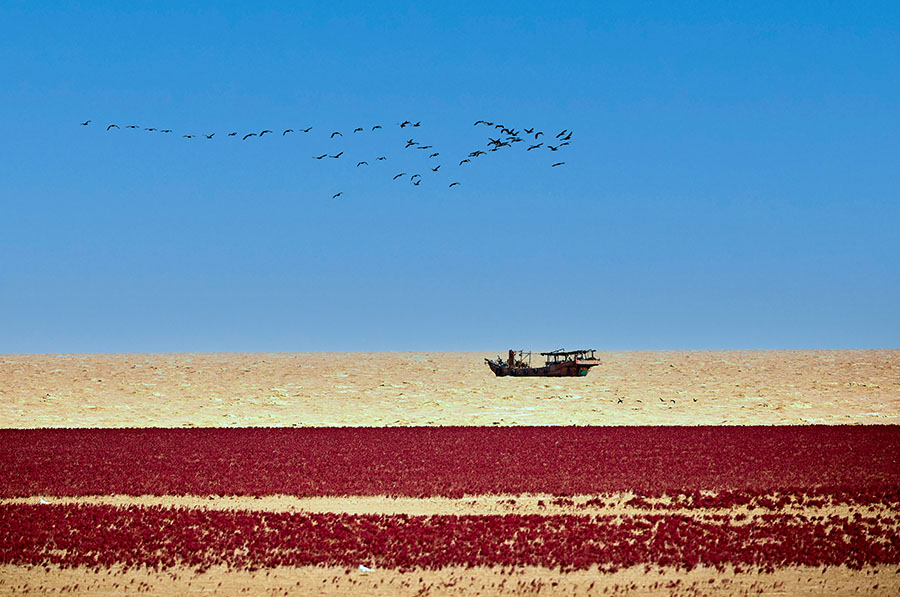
(731, 180)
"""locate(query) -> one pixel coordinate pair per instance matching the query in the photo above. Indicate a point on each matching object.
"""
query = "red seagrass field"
(275, 474)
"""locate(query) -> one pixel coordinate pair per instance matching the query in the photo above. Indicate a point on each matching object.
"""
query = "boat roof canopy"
(565, 353)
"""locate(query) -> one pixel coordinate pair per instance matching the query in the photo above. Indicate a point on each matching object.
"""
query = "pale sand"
(383, 389)
(881, 580)
(480, 505)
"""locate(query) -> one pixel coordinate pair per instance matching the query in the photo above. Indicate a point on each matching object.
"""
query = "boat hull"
(563, 369)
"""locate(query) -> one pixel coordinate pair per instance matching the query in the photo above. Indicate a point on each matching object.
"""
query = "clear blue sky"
(732, 179)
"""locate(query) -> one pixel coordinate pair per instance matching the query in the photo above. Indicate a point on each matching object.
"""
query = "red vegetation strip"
(102, 536)
(451, 461)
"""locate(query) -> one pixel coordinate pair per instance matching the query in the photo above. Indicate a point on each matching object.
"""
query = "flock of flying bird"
(506, 138)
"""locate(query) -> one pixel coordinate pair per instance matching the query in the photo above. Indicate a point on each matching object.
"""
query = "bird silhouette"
(418, 123)
(248, 135)
(404, 124)
(286, 131)
(435, 169)
(411, 142)
(337, 155)
(619, 401)
(551, 148)
(424, 147)
(306, 130)
(537, 134)
(562, 132)
(232, 134)
(464, 161)
(564, 143)
(381, 158)
(112, 126)
(358, 164)
(477, 122)
(567, 137)
(264, 132)
(529, 131)
(377, 126)
(413, 177)
(188, 136)
(85, 123)
(132, 126)
(336, 195)
(399, 175)
(453, 184)
(210, 136)
(534, 147)
(150, 129)
(336, 133)
(357, 130)
(166, 131)
(415, 184)
(319, 157)
(435, 154)
(557, 164)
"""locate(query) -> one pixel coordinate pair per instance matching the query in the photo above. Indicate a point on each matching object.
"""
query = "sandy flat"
(380, 389)
(385, 389)
(879, 580)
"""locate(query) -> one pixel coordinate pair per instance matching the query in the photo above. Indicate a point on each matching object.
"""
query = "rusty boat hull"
(573, 368)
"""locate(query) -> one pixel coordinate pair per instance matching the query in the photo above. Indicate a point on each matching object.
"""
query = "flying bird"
(335, 133)
(418, 123)
(463, 162)
(563, 132)
(306, 130)
(534, 147)
(85, 123)
(425, 147)
(248, 135)
(111, 126)
(319, 157)
(286, 131)
(477, 122)
(232, 134)
(413, 177)
(434, 155)
(264, 132)
(336, 195)
(358, 164)
(529, 131)
(337, 156)
(357, 130)
(551, 148)
(404, 124)
(557, 164)
(537, 134)
(380, 158)
(188, 136)
(417, 183)
(436, 168)
(166, 131)
(564, 143)
(453, 184)
(210, 136)
(150, 129)
(132, 126)
(399, 175)
(377, 126)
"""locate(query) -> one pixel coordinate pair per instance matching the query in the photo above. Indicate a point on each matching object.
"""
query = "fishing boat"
(558, 363)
